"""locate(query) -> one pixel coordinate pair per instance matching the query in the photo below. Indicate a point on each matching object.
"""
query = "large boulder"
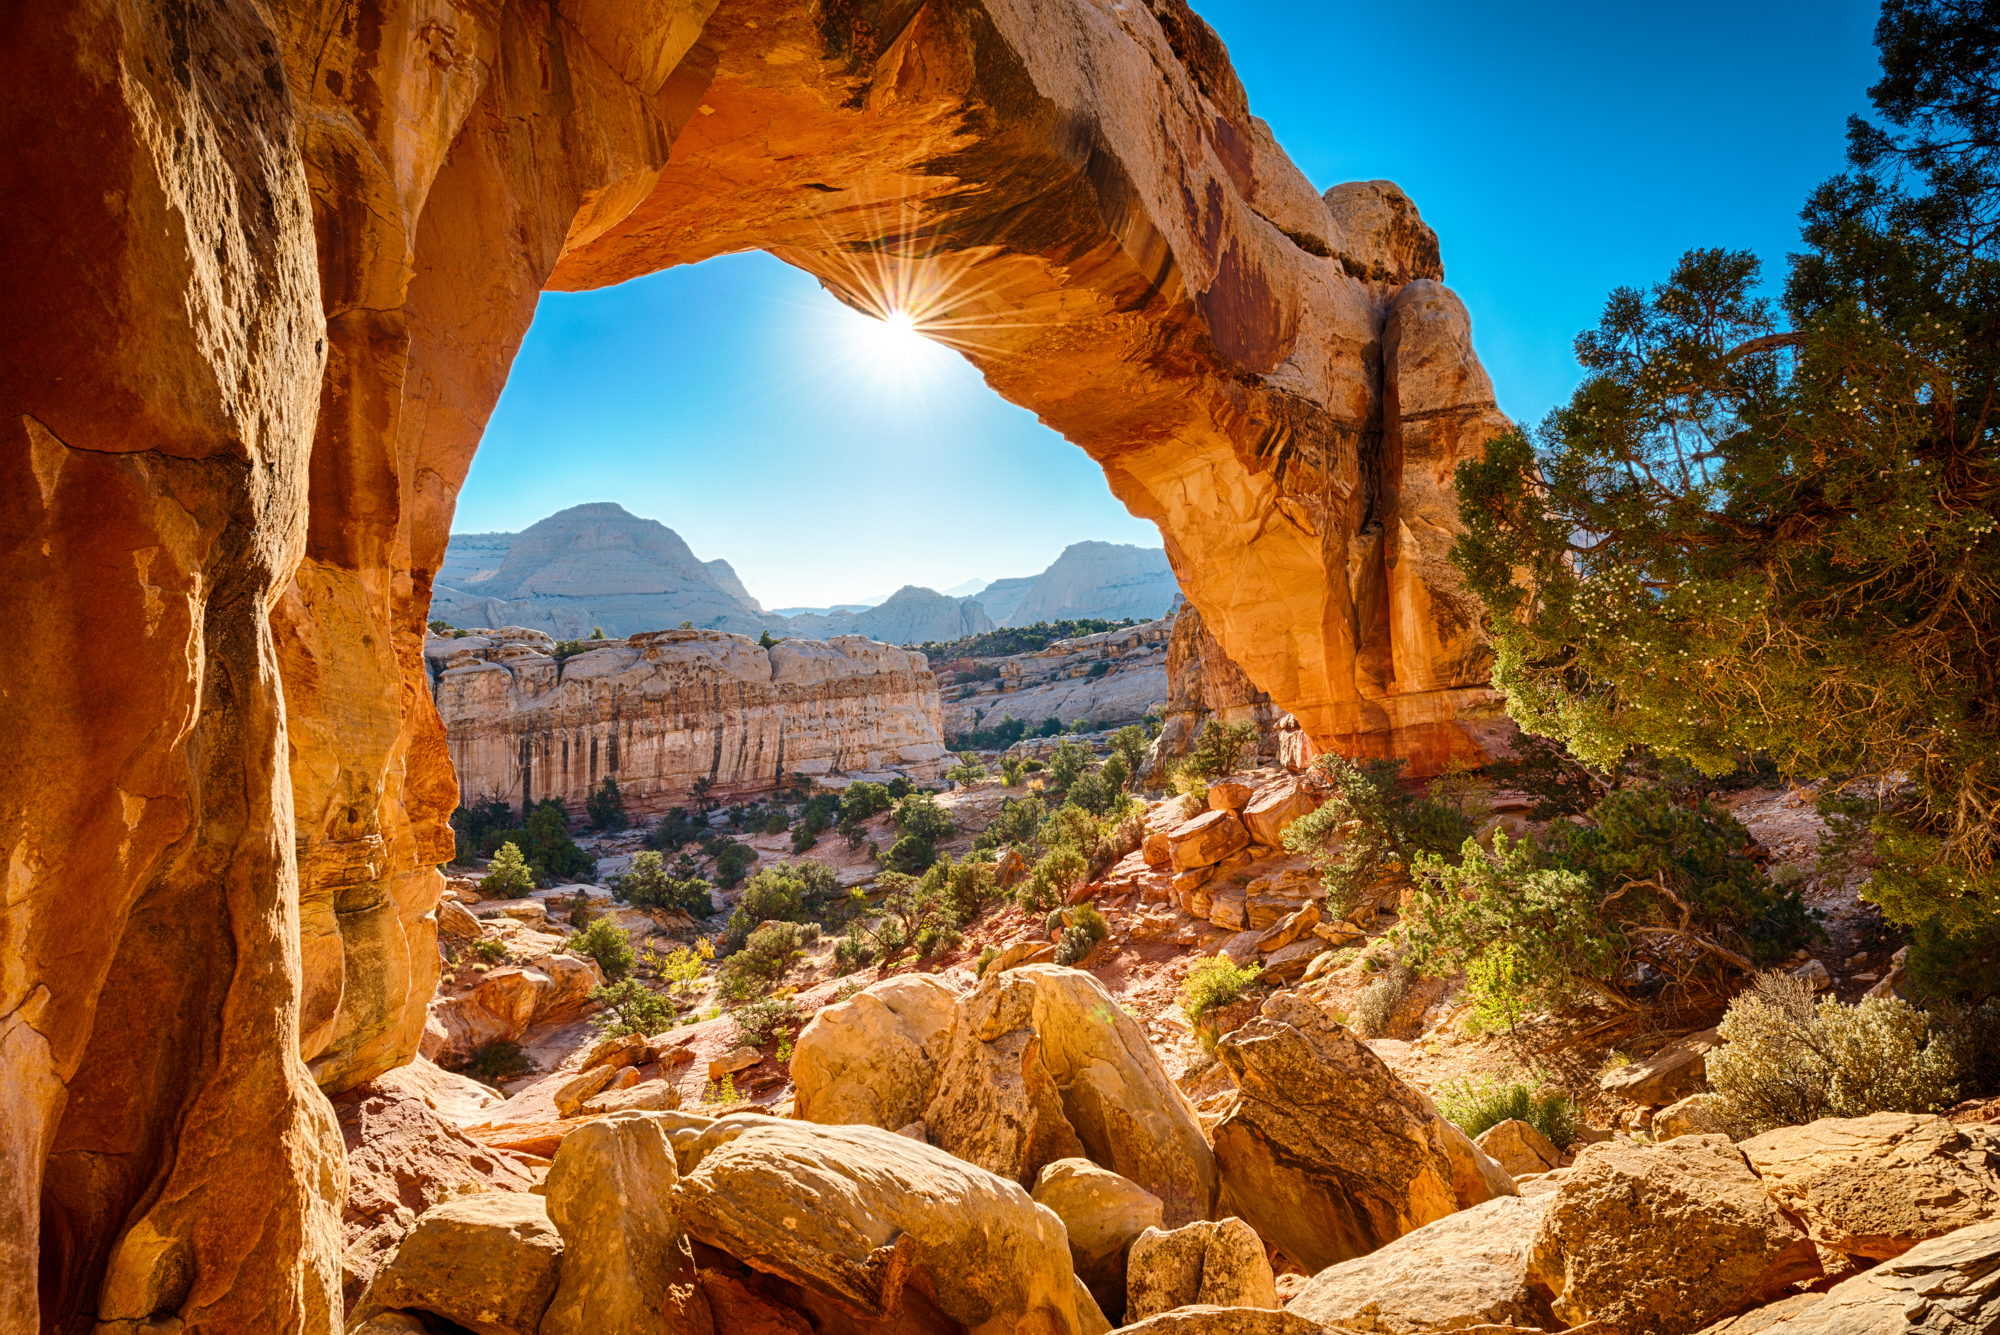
(627, 1269)
(1215, 1264)
(1674, 1071)
(487, 1262)
(1877, 1186)
(1694, 1115)
(1044, 1066)
(505, 1003)
(1664, 1239)
(1206, 840)
(1518, 1148)
(1102, 1213)
(1947, 1286)
(1274, 807)
(854, 1214)
(873, 1059)
(1467, 1269)
(1325, 1151)
(403, 1158)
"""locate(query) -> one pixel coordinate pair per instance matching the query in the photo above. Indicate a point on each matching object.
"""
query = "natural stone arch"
(273, 263)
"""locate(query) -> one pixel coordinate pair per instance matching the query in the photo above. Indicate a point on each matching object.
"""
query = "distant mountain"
(909, 616)
(586, 567)
(1090, 579)
(599, 565)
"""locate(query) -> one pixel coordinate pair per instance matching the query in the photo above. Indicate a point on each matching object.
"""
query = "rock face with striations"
(661, 710)
(230, 483)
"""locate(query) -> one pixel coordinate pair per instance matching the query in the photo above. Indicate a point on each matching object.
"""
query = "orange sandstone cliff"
(270, 263)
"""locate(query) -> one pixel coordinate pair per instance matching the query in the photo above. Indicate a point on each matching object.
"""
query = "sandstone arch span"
(268, 264)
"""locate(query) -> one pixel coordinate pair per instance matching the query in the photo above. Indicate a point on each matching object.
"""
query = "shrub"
(911, 855)
(606, 942)
(1097, 669)
(1051, 727)
(491, 1063)
(1476, 1107)
(761, 1021)
(920, 815)
(1213, 983)
(1219, 748)
(1086, 928)
(1376, 1006)
(437, 627)
(778, 822)
(1546, 771)
(966, 772)
(1130, 744)
(1010, 771)
(474, 823)
(490, 951)
(862, 800)
(987, 954)
(1364, 836)
(852, 950)
(606, 806)
(630, 1007)
(1093, 793)
(649, 885)
(765, 956)
(789, 892)
(677, 828)
(963, 888)
(509, 877)
(680, 968)
(545, 844)
(899, 788)
(1786, 1061)
(1071, 761)
(1016, 825)
(1060, 870)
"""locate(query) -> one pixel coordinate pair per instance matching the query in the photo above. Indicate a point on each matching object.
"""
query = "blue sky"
(1560, 150)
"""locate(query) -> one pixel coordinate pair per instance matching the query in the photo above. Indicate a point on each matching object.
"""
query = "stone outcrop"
(626, 1268)
(1102, 1213)
(1204, 684)
(594, 567)
(490, 1263)
(1947, 1286)
(880, 1224)
(1111, 580)
(1108, 679)
(1213, 1264)
(873, 1059)
(1877, 1186)
(1669, 1074)
(506, 1003)
(1519, 1149)
(1043, 1065)
(659, 711)
(1203, 1319)
(1663, 1240)
(294, 266)
(1466, 1269)
(1324, 1151)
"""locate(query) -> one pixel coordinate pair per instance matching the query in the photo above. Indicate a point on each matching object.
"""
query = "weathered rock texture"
(661, 710)
(278, 260)
(873, 1059)
(1324, 1150)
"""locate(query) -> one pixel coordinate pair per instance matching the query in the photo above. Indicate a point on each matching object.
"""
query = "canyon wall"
(1109, 679)
(270, 264)
(664, 709)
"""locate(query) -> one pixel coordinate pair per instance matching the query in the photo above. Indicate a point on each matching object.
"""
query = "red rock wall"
(269, 266)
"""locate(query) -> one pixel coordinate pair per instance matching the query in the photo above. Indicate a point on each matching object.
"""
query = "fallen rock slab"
(853, 1213)
(1467, 1269)
(1206, 840)
(1324, 1150)
(1663, 1239)
(1518, 1148)
(1667, 1075)
(1946, 1286)
(626, 1268)
(1221, 1264)
(1102, 1214)
(487, 1262)
(1877, 1186)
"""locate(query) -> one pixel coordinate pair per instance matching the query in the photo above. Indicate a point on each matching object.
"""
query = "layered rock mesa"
(1108, 679)
(275, 262)
(661, 710)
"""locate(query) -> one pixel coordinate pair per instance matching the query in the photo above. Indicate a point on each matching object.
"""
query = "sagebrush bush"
(1376, 1005)
(630, 1007)
(1476, 1107)
(761, 1021)
(1787, 1060)
(1214, 983)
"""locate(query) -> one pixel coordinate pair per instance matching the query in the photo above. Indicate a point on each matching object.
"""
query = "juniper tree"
(1769, 526)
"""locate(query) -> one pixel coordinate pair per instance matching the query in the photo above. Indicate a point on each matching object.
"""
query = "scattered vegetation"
(1787, 1059)
(1213, 983)
(1477, 1106)
(630, 1007)
(1083, 928)
(545, 844)
(508, 877)
(1375, 1007)
(762, 1021)
(1218, 749)
(473, 824)
(678, 828)
(1366, 835)
(650, 885)
(1018, 639)
(607, 943)
(606, 807)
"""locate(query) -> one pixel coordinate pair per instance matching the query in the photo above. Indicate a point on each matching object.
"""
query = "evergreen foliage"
(606, 806)
(509, 876)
